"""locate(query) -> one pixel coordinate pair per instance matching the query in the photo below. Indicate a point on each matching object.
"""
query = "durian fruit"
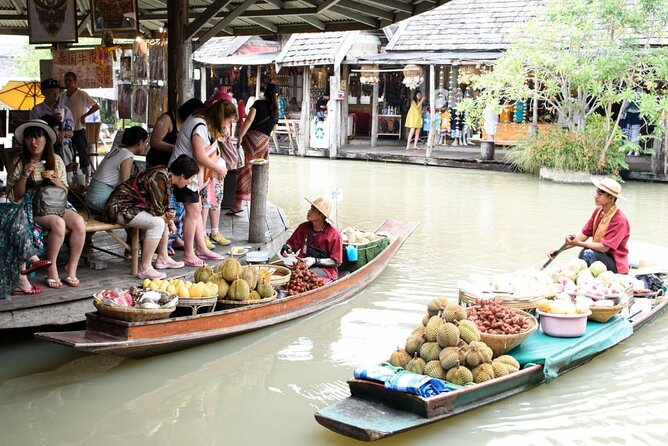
(419, 331)
(432, 327)
(223, 287)
(434, 369)
(500, 368)
(414, 342)
(450, 357)
(400, 358)
(425, 319)
(454, 312)
(486, 352)
(249, 274)
(231, 269)
(239, 290)
(254, 295)
(435, 305)
(416, 365)
(459, 375)
(264, 276)
(429, 351)
(448, 335)
(468, 331)
(265, 290)
(203, 274)
(473, 357)
(509, 361)
(483, 372)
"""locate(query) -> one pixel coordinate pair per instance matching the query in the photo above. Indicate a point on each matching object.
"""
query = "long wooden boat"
(373, 412)
(141, 339)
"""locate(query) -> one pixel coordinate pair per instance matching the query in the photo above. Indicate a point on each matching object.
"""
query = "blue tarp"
(555, 353)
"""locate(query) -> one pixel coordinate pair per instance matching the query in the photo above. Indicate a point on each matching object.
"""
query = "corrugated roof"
(316, 49)
(463, 25)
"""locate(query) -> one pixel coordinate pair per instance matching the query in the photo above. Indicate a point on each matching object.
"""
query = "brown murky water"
(263, 387)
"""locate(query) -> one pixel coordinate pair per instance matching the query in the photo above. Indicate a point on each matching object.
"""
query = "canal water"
(263, 387)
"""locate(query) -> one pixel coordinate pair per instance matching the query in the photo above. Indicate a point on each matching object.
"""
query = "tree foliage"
(585, 57)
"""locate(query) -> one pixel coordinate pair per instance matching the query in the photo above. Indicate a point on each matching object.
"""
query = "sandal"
(35, 266)
(234, 211)
(71, 281)
(35, 289)
(54, 283)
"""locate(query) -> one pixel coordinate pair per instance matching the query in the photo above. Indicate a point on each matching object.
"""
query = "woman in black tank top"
(165, 130)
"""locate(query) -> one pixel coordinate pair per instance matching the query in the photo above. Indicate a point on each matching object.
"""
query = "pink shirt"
(329, 240)
(616, 237)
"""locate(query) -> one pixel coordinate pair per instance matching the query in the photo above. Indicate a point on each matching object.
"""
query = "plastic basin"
(563, 325)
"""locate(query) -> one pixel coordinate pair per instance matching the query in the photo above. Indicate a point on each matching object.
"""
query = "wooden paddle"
(559, 251)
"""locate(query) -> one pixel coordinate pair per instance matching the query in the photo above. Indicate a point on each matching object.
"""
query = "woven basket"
(132, 314)
(604, 314)
(502, 344)
(223, 303)
(279, 277)
(467, 298)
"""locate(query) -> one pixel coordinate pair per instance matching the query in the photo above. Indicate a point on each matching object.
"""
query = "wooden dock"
(68, 305)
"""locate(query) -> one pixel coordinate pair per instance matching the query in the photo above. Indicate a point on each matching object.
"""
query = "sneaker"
(150, 274)
(220, 239)
(207, 242)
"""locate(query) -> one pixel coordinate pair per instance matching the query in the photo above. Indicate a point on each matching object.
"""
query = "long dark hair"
(415, 95)
(48, 154)
(271, 96)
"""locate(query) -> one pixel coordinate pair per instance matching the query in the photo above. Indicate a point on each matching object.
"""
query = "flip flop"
(173, 265)
(36, 289)
(54, 283)
(210, 257)
(234, 212)
(71, 281)
(35, 266)
(195, 264)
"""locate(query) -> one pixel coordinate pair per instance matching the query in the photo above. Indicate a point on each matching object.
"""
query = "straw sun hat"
(18, 133)
(609, 185)
(322, 205)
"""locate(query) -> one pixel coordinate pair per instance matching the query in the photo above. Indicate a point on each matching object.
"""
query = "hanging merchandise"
(369, 75)
(412, 76)
(319, 78)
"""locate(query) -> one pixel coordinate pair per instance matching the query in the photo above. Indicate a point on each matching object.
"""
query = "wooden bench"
(93, 225)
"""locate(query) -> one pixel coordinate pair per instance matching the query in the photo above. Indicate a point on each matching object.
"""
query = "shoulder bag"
(49, 200)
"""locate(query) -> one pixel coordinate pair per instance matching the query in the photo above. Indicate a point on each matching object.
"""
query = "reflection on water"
(264, 386)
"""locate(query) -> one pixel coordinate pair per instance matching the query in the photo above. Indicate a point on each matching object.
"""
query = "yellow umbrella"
(21, 95)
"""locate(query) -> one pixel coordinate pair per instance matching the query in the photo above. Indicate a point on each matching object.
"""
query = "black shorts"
(185, 195)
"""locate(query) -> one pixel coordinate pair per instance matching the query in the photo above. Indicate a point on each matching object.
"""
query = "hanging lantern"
(412, 76)
(369, 75)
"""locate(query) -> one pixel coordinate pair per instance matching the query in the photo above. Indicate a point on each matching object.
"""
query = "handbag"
(49, 200)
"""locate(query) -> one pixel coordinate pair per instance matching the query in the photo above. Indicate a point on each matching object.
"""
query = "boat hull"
(141, 339)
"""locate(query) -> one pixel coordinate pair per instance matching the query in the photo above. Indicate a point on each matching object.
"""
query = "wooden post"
(305, 125)
(257, 220)
(374, 115)
(343, 135)
(177, 46)
(258, 82)
(432, 110)
(335, 118)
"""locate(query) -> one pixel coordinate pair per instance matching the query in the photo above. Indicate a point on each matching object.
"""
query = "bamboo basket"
(279, 277)
(604, 314)
(502, 344)
(132, 314)
(467, 298)
(226, 304)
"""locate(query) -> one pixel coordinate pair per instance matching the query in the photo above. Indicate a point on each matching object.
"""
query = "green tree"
(585, 57)
(27, 64)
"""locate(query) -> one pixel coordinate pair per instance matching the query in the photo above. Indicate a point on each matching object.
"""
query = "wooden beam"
(83, 24)
(266, 24)
(394, 4)
(278, 3)
(204, 17)
(368, 10)
(348, 25)
(177, 67)
(316, 23)
(224, 22)
(361, 18)
(324, 6)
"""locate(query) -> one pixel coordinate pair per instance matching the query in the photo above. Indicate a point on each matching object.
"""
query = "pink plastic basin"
(563, 325)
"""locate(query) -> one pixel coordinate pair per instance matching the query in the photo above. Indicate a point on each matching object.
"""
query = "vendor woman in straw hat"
(608, 229)
(317, 242)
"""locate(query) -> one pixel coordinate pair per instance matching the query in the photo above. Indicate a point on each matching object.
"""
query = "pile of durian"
(236, 282)
(447, 346)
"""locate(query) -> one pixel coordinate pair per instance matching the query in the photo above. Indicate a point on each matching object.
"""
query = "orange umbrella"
(21, 95)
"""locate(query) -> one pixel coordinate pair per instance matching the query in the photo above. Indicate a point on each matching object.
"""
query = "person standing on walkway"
(81, 105)
(414, 119)
(165, 130)
(254, 139)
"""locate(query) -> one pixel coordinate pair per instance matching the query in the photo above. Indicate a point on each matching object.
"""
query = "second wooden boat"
(141, 339)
